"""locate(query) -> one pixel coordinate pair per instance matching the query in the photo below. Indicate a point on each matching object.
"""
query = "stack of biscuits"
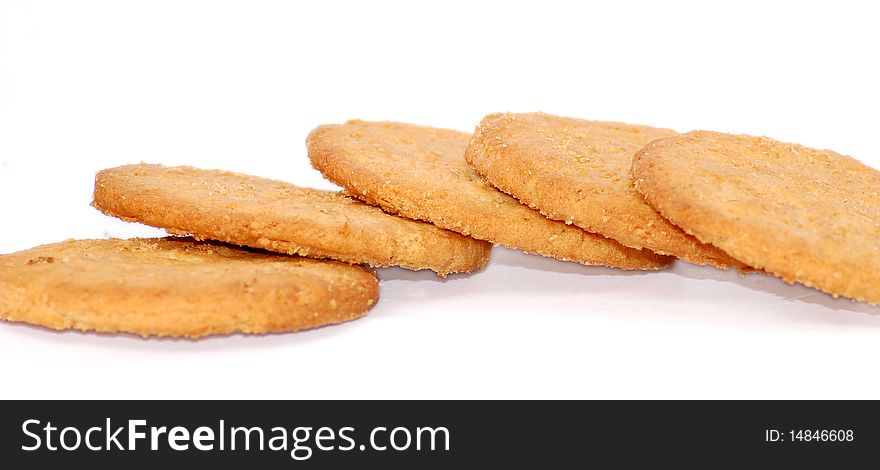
(253, 255)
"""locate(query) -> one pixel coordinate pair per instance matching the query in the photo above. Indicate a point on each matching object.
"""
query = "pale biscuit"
(805, 215)
(277, 216)
(420, 172)
(578, 171)
(177, 287)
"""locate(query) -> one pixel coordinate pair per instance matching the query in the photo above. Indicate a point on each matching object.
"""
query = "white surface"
(87, 85)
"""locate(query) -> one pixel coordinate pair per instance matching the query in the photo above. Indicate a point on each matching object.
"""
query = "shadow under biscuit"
(766, 283)
(682, 294)
(512, 272)
(518, 259)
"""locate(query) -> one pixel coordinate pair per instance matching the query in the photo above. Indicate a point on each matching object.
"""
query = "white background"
(237, 85)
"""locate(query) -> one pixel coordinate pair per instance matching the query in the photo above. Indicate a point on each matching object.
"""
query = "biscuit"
(277, 216)
(578, 171)
(177, 287)
(805, 215)
(420, 172)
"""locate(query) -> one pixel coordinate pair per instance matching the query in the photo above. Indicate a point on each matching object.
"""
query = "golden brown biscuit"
(805, 215)
(177, 287)
(277, 216)
(578, 171)
(419, 172)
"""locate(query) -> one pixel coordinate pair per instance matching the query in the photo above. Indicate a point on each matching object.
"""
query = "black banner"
(407, 434)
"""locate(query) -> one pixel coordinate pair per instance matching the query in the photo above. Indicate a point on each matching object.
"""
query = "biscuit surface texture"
(177, 287)
(420, 172)
(281, 217)
(578, 171)
(805, 215)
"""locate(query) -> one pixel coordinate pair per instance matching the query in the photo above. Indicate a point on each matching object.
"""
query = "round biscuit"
(281, 217)
(177, 287)
(578, 171)
(420, 172)
(805, 215)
